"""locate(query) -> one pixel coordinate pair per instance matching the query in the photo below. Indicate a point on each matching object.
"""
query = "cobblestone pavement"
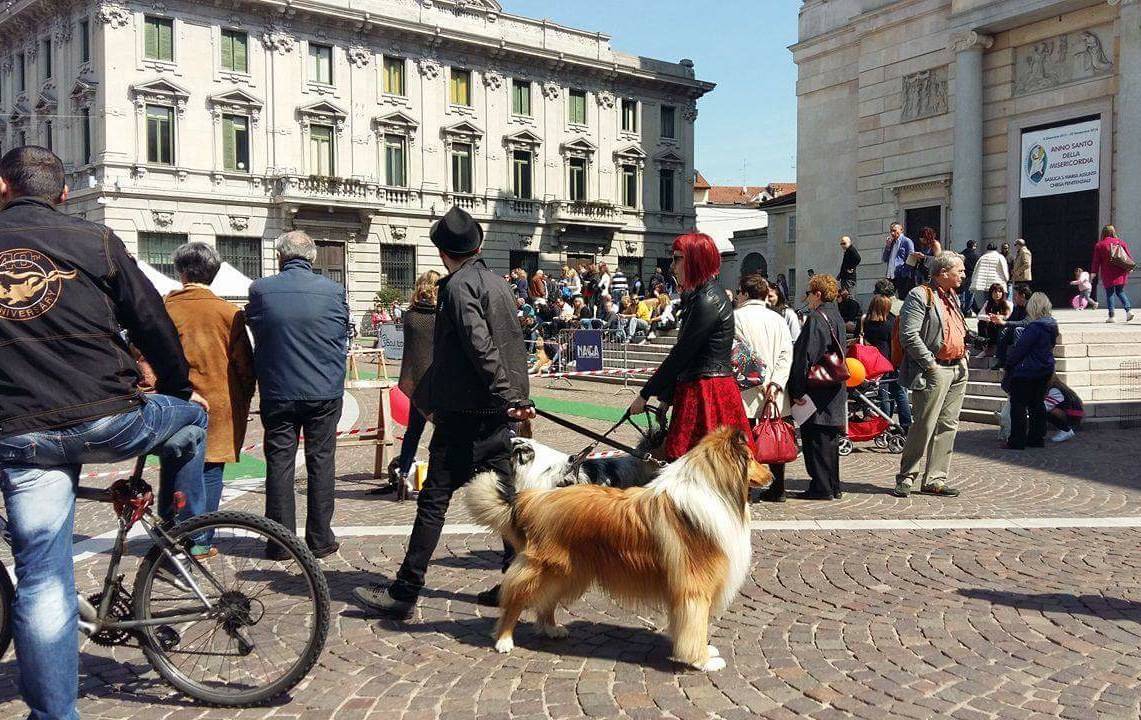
(968, 623)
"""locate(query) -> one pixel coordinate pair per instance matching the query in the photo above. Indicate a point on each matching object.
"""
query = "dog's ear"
(521, 452)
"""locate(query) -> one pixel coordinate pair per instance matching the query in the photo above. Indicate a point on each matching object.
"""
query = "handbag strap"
(831, 331)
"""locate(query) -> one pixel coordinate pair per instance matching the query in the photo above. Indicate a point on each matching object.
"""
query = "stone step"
(983, 403)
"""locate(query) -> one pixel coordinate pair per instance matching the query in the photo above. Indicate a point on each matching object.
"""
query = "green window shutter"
(151, 39)
(227, 51)
(241, 53)
(229, 147)
(166, 40)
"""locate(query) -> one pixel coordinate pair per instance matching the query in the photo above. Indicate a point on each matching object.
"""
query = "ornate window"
(669, 168)
(84, 40)
(630, 163)
(398, 266)
(47, 56)
(576, 107)
(461, 142)
(322, 158)
(522, 173)
(459, 87)
(322, 124)
(521, 98)
(236, 143)
(461, 155)
(394, 76)
(578, 155)
(395, 161)
(160, 134)
(320, 64)
(629, 115)
(669, 122)
(235, 51)
(158, 38)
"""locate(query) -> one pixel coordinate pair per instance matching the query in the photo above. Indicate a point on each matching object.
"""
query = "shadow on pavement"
(1106, 608)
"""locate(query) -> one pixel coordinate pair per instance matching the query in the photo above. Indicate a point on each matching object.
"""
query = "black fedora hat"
(457, 233)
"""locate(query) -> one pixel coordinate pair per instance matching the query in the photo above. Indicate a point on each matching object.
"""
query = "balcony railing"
(399, 196)
(587, 212)
(326, 188)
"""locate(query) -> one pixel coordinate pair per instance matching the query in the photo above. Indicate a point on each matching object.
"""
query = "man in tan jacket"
(1021, 273)
(214, 338)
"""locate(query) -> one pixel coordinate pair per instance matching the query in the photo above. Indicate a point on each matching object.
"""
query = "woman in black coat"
(823, 332)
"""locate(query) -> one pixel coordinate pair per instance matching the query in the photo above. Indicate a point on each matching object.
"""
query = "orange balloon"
(856, 372)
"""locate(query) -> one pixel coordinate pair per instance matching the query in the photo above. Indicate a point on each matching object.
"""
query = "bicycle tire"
(7, 597)
(310, 570)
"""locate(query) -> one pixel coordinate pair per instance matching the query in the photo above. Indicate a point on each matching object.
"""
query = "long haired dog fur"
(680, 543)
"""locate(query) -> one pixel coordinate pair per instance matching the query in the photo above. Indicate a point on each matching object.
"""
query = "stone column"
(1127, 188)
(967, 175)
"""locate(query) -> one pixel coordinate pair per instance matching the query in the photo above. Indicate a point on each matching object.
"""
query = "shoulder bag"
(774, 439)
(830, 370)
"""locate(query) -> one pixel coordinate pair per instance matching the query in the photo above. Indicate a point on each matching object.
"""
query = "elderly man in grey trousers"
(934, 339)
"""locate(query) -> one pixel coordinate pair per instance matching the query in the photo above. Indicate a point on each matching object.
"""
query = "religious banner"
(1061, 160)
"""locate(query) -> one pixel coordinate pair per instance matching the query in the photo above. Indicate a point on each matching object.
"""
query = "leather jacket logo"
(30, 284)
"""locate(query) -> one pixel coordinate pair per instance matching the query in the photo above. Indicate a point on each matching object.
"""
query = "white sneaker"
(1109, 319)
(1093, 304)
(1129, 316)
(1062, 436)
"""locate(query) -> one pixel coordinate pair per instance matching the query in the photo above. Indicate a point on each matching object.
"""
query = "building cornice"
(597, 59)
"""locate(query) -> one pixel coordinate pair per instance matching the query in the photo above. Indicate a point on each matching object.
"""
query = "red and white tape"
(580, 373)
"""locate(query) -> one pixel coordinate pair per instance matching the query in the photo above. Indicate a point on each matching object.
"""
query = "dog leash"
(578, 459)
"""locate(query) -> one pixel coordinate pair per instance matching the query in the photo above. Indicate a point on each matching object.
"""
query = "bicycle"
(197, 619)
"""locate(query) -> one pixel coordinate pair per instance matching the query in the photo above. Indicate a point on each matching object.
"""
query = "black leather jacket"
(67, 287)
(704, 343)
(479, 362)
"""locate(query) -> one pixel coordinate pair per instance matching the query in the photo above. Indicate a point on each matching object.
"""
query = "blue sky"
(742, 45)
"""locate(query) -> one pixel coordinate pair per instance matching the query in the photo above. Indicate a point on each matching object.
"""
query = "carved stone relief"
(239, 222)
(113, 14)
(924, 94)
(605, 100)
(429, 68)
(163, 219)
(551, 90)
(359, 56)
(1062, 59)
(279, 40)
(493, 80)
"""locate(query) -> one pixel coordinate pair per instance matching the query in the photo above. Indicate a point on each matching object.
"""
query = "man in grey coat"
(933, 335)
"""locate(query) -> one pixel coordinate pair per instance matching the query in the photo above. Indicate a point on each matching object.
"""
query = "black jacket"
(479, 361)
(300, 321)
(814, 342)
(704, 343)
(849, 264)
(67, 288)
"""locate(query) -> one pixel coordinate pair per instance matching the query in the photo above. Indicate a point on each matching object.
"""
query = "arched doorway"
(754, 263)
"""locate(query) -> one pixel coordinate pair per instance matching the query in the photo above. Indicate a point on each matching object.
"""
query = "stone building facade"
(935, 113)
(361, 122)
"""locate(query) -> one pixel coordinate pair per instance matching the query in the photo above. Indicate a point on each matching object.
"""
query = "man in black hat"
(477, 384)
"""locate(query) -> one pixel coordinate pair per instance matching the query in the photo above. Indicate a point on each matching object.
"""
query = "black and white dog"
(537, 466)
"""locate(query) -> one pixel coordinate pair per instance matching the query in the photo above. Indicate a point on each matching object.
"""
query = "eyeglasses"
(678, 258)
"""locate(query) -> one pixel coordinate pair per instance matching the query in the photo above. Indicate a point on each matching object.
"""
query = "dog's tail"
(491, 500)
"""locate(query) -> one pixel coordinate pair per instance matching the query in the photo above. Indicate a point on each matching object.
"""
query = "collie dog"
(680, 544)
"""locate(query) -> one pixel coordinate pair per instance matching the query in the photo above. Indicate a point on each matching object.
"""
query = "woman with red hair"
(696, 377)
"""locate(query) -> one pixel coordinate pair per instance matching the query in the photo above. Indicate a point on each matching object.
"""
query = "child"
(1082, 282)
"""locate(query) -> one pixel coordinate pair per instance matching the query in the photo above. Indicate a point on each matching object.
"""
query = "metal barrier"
(615, 355)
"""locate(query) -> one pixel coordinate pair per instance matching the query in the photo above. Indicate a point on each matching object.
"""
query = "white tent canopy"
(231, 283)
(162, 283)
(228, 283)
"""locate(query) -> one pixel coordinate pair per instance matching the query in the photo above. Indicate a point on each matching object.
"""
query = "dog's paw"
(713, 652)
(555, 632)
(506, 645)
(713, 664)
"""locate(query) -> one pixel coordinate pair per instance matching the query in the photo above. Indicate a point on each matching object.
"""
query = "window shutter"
(151, 40)
(228, 51)
(229, 147)
(241, 56)
(166, 41)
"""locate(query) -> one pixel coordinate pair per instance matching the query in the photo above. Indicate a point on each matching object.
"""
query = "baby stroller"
(866, 422)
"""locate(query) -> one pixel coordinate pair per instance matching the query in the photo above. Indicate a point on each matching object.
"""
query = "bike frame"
(92, 619)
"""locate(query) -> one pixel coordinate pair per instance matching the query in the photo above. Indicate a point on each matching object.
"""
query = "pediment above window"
(161, 91)
(47, 102)
(396, 123)
(464, 132)
(19, 115)
(235, 102)
(579, 147)
(83, 92)
(322, 113)
(630, 153)
(669, 157)
(522, 140)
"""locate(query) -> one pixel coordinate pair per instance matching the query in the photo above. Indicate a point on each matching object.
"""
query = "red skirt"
(700, 407)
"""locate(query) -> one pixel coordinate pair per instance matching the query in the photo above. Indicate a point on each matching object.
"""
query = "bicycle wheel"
(269, 620)
(7, 597)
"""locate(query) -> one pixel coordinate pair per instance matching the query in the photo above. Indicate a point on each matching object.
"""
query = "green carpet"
(583, 410)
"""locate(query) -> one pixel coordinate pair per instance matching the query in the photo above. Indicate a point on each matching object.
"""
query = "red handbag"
(773, 438)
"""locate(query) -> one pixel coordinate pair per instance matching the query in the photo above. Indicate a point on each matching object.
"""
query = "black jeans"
(461, 446)
(822, 458)
(1027, 397)
(283, 421)
(411, 441)
(903, 285)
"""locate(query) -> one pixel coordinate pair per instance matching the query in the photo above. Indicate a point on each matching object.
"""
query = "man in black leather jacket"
(476, 385)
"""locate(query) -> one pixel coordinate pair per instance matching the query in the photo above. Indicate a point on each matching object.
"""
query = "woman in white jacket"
(766, 332)
(990, 269)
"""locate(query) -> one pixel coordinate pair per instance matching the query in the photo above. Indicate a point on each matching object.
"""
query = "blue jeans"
(212, 494)
(893, 399)
(38, 474)
(1119, 291)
